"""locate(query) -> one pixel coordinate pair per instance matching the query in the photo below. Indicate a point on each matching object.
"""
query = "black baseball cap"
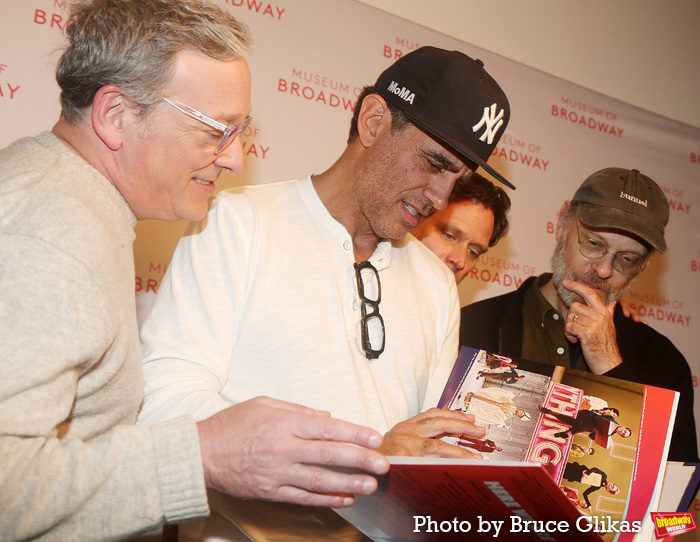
(451, 96)
(626, 200)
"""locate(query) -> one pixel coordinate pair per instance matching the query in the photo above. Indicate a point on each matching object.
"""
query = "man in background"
(605, 237)
(131, 144)
(475, 220)
(309, 290)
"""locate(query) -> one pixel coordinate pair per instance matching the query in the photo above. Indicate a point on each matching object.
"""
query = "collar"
(51, 141)
(381, 257)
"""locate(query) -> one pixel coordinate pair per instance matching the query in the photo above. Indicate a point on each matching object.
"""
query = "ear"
(109, 114)
(374, 115)
(563, 212)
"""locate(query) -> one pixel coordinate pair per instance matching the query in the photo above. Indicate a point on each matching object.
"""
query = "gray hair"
(134, 44)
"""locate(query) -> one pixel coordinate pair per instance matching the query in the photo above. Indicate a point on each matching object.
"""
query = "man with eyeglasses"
(605, 237)
(130, 144)
(310, 290)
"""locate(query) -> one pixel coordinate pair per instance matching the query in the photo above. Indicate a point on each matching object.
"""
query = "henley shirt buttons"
(347, 245)
(355, 305)
(556, 317)
(560, 350)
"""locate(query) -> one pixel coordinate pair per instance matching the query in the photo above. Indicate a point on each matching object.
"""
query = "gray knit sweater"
(73, 466)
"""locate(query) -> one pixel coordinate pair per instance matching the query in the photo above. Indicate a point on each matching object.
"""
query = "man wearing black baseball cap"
(312, 290)
(449, 95)
(605, 237)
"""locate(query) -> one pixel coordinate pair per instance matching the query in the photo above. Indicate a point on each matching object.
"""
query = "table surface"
(240, 520)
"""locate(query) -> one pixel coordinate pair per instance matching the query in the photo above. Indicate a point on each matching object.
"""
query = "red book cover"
(434, 500)
(568, 456)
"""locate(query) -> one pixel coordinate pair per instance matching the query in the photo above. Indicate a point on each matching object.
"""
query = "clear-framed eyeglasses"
(627, 263)
(370, 291)
(228, 133)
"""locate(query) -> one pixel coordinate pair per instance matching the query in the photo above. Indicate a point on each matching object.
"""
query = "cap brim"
(596, 216)
(464, 152)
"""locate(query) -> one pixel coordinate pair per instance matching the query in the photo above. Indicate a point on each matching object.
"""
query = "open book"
(568, 455)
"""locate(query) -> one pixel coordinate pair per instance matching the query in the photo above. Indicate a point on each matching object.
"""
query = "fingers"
(338, 454)
(445, 413)
(322, 440)
(572, 319)
(314, 486)
(586, 292)
(300, 496)
(575, 328)
(586, 315)
(319, 480)
(419, 436)
(445, 426)
(440, 448)
(629, 312)
(594, 329)
(399, 444)
(438, 422)
(269, 449)
(332, 429)
(311, 424)
(625, 308)
(580, 314)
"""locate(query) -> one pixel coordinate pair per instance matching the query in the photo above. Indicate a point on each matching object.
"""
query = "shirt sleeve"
(448, 350)
(70, 489)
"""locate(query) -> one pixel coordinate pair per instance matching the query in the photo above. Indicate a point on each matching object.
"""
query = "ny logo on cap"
(492, 121)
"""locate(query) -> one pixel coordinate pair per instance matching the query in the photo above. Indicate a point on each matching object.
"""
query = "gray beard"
(561, 272)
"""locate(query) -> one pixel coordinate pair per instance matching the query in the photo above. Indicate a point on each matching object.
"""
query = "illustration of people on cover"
(599, 425)
(493, 406)
(479, 444)
(508, 376)
(573, 497)
(579, 451)
(504, 406)
(560, 418)
(495, 361)
(593, 477)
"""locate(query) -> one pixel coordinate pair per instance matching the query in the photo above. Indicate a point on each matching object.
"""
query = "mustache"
(593, 279)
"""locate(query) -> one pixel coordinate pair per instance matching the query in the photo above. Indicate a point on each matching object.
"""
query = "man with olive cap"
(605, 237)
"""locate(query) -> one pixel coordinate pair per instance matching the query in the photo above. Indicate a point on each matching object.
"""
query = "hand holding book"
(420, 435)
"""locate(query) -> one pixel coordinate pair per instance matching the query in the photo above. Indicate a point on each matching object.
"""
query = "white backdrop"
(310, 59)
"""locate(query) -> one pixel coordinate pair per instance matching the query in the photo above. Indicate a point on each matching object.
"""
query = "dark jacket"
(496, 325)
(574, 472)
(586, 421)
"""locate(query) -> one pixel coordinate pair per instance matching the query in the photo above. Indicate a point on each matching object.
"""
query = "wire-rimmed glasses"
(370, 291)
(229, 132)
(627, 263)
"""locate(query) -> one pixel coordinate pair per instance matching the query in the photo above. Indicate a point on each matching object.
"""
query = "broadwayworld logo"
(666, 524)
(403, 93)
